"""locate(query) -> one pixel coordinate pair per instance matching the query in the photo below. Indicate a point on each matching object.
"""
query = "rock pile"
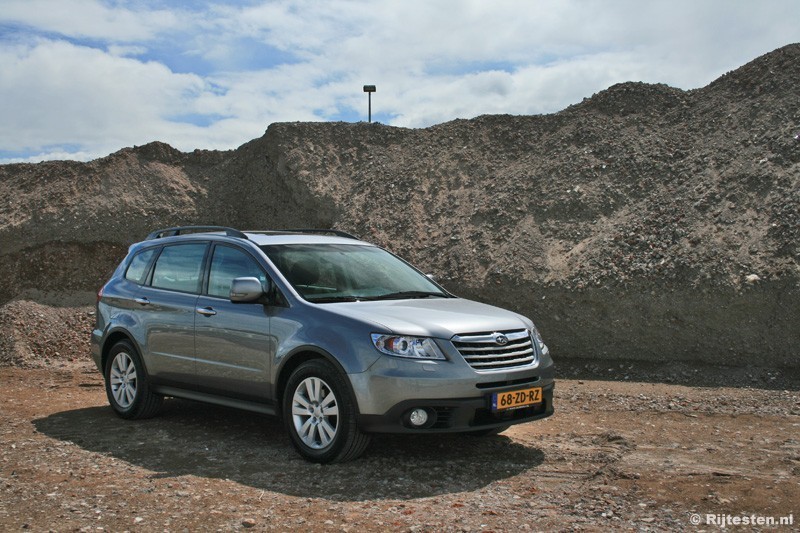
(643, 219)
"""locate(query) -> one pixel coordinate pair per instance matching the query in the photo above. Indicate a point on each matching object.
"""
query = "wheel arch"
(112, 338)
(297, 358)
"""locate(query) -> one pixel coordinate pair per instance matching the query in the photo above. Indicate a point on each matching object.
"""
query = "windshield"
(347, 272)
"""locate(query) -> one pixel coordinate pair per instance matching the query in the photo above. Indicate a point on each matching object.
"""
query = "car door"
(167, 306)
(233, 346)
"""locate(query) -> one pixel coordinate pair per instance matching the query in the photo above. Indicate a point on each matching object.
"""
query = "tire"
(126, 384)
(320, 414)
(489, 432)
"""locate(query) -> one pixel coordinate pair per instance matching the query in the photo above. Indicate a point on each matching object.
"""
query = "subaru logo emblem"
(501, 339)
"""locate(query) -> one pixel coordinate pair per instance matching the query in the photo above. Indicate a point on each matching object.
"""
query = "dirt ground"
(622, 455)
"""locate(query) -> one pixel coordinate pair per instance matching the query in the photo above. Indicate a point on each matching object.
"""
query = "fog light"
(418, 417)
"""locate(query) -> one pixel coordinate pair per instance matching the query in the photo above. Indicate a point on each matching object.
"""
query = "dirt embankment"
(640, 222)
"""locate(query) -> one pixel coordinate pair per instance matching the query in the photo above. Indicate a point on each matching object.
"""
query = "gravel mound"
(643, 221)
(36, 336)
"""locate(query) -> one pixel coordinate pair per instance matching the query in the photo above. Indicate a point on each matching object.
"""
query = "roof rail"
(179, 230)
(336, 232)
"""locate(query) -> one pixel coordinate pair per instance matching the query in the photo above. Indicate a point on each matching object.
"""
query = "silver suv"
(337, 336)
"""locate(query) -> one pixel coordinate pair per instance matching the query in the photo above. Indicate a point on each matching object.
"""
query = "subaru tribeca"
(337, 336)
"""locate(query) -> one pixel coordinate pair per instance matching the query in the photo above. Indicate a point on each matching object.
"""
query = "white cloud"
(89, 19)
(153, 73)
(58, 93)
(55, 156)
(126, 51)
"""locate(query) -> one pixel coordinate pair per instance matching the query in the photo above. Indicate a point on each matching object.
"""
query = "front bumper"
(456, 396)
(458, 415)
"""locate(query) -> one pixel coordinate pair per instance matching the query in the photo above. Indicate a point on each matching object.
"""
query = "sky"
(80, 79)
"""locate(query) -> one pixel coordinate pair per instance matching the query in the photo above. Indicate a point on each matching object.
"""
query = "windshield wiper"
(402, 295)
(331, 299)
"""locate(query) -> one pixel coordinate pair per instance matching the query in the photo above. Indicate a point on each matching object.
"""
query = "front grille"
(483, 351)
(508, 383)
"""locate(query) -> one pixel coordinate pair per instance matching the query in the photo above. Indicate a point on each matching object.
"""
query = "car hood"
(432, 317)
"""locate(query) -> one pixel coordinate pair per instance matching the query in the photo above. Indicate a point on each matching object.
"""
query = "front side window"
(345, 272)
(226, 265)
(179, 266)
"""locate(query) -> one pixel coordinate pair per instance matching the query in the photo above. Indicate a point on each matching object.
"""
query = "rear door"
(167, 313)
(234, 348)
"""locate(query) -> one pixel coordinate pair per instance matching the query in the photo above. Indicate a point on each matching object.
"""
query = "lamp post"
(369, 89)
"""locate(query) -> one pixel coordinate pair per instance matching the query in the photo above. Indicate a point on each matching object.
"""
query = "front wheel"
(320, 414)
(126, 384)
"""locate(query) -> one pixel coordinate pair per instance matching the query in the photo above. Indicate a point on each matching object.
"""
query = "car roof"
(258, 238)
(267, 238)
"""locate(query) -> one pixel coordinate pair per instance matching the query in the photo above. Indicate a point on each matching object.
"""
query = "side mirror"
(244, 290)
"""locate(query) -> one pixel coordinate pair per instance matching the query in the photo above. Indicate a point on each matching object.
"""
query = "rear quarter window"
(139, 266)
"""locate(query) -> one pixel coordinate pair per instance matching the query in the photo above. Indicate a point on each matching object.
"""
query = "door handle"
(206, 311)
(142, 301)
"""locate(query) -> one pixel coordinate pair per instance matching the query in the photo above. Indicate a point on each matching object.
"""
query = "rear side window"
(179, 266)
(137, 270)
(226, 265)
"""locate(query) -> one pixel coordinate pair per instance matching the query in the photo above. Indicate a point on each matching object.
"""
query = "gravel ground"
(636, 456)
(639, 452)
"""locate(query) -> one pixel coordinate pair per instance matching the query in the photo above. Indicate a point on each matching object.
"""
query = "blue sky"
(83, 78)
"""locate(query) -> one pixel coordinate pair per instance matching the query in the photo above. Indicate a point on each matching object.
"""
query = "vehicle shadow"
(190, 438)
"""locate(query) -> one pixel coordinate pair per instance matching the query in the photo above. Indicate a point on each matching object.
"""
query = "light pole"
(369, 89)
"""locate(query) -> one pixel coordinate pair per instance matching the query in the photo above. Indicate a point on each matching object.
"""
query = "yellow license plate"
(516, 398)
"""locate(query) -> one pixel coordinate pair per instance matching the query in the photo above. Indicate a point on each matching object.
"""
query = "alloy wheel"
(123, 380)
(315, 413)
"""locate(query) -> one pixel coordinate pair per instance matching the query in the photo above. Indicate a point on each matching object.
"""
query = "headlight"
(538, 337)
(402, 346)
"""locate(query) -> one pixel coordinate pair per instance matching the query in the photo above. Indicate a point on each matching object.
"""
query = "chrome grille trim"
(493, 349)
(489, 337)
(482, 351)
(509, 363)
(523, 353)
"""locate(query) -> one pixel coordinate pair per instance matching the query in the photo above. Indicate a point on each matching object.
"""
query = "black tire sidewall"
(346, 418)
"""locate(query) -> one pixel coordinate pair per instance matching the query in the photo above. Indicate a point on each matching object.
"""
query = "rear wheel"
(320, 414)
(126, 384)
